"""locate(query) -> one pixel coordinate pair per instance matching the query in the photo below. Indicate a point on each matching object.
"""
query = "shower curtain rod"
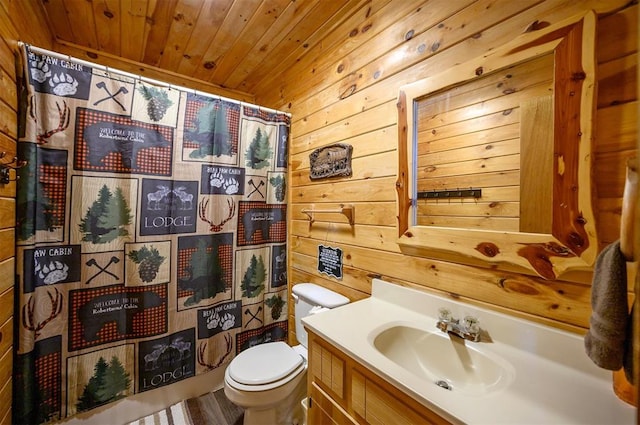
(138, 77)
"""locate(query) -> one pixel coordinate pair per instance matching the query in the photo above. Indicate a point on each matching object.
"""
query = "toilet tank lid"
(318, 295)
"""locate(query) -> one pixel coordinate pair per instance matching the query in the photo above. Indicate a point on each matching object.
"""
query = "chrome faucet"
(468, 329)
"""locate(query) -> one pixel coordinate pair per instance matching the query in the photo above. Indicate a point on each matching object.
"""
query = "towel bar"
(346, 210)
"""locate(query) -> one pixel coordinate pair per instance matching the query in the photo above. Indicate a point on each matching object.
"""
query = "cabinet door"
(328, 370)
(378, 406)
(324, 411)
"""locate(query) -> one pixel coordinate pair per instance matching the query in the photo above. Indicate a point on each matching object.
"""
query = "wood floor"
(214, 409)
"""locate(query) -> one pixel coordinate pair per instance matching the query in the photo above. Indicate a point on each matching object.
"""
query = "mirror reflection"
(493, 136)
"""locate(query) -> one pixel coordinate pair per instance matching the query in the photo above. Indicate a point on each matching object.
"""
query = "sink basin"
(445, 360)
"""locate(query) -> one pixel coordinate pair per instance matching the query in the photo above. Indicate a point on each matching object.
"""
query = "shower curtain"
(150, 232)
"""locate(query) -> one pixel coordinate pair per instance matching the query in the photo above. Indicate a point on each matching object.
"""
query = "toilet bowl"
(270, 380)
(268, 395)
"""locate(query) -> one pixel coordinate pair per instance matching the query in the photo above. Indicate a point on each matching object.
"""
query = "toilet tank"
(308, 296)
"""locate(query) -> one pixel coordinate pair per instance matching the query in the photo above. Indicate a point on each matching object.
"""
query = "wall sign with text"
(330, 261)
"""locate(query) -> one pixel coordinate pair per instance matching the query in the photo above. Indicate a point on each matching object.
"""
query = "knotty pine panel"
(370, 120)
(8, 121)
(261, 36)
(264, 59)
(502, 224)
(336, 30)
(379, 189)
(5, 401)
(496, 119)
(480, 140)
(8, 146)
(352, 277)
(617, 81)
(615, 34)
(471, 150)
(9, 189)
(609, 215)
(611, 172)
(452, 208)
(380, 165)
(373, 213)
(6, 305)
(6, 366)
(7, 243)
(8, 65)
(375, 142)
(148, 71)
(181, 30)
(616, 128)
(108, 25)
(488, 180)
(413, 38)
(7, 273)
(376, 237)
(23, 21)
(333, 57)
(134, 20)
(512, 81)
(467, 170)
(333, 284)
(9, 89)
(237, 22)
(8, 212)
(6, 339)
(439, 50)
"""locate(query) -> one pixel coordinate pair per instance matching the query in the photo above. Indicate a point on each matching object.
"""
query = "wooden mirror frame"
(572, 244)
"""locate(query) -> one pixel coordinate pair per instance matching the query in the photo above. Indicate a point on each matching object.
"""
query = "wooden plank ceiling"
(235, 44)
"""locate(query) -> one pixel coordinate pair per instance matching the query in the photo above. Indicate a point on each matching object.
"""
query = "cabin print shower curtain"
(150, 231)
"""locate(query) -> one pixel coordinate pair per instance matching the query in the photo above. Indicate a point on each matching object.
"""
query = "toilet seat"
(265, 366)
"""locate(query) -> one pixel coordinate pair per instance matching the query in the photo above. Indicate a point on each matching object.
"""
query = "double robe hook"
(6, 167)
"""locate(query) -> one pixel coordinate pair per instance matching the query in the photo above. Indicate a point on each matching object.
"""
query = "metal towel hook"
(6, 167)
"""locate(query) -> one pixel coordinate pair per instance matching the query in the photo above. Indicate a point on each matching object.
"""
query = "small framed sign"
(330, 261)
(331, 161)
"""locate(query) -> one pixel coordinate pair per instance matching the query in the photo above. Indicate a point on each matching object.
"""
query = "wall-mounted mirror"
(495, 156)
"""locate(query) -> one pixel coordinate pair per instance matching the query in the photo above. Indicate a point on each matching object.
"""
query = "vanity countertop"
(553, 381)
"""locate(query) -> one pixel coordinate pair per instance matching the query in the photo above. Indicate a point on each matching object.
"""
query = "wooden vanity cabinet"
(342, 391)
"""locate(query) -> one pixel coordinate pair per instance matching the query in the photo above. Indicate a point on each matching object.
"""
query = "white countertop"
(554, 382)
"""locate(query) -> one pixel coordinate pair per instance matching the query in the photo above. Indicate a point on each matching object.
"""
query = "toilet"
(270, 380)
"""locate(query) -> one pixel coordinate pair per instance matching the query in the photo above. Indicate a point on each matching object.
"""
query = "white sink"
(446, 360)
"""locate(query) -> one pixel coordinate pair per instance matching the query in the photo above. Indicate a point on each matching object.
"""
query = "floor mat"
(212, 408)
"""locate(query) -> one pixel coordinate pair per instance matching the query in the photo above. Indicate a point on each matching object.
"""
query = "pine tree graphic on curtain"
(259, 151)
(105, 219)
(254, 278)
(210, 131)
(108, 383)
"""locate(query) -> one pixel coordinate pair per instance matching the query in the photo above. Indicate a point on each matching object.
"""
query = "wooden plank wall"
(344, 90)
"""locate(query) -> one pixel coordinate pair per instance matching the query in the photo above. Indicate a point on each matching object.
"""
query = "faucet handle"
(470, 324)
(444, 314)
